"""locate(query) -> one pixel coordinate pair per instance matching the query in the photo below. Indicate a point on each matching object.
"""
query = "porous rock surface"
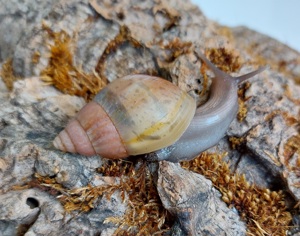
(33, 113)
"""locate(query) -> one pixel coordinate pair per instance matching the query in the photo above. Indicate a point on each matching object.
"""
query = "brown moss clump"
(263, 210)
(223, 59)
(236, 142)
(64, 74)
(7, 74)
(242, 112)
(44, 183)
(145, 214)
(175, 48)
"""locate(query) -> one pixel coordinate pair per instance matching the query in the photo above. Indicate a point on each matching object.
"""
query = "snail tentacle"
(211, 120)
(141, 114)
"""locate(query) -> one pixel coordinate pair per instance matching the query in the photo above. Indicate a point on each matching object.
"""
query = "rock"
(269, 50)
(109, 40)
(195, 203)
(16, 20)
(26, 211)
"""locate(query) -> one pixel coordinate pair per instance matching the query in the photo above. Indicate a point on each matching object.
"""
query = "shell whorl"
(148, 112)
(134, 115)
(91, 132)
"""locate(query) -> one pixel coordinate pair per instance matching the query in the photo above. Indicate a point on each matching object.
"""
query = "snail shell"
(133, 115)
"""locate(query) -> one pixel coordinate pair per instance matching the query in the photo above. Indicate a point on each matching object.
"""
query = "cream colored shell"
(148, 112)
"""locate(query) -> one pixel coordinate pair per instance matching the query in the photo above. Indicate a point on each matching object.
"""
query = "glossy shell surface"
(133, 115)
(148, 112)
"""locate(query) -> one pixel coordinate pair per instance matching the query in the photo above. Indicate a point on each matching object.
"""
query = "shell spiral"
(133, 115)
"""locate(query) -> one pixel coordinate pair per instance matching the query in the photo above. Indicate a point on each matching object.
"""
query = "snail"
(211, 120)
(141, 114)
(133, 115)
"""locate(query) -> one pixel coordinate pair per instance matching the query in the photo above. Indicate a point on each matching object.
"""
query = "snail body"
(141, 114)
(133, 115)
(211, 120)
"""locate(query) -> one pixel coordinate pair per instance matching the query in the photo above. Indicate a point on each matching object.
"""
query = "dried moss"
(223, 59)
(236, 142)
(175, 48)
(7, 74)
(263, 210)
(242, 112)
(145, 214)
(64, 74)
(44, 183)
